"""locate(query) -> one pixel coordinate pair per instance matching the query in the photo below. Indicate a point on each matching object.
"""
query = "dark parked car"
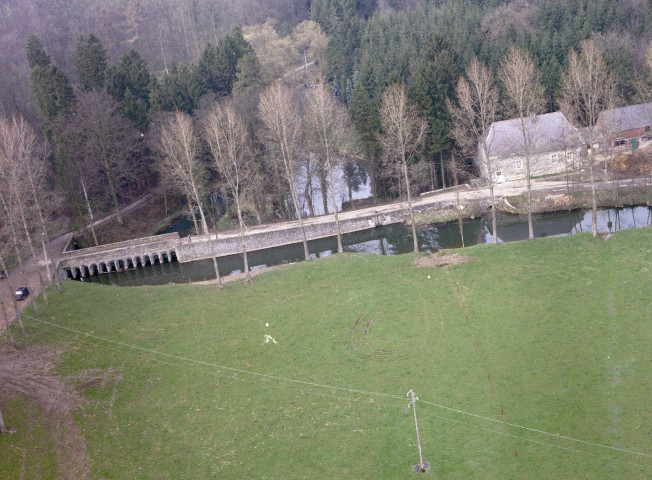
(2, 274)
(21, 293)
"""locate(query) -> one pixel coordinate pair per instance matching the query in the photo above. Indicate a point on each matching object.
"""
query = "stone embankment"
(169, 247)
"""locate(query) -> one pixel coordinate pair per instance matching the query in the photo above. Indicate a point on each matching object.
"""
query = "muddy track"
(28, 372)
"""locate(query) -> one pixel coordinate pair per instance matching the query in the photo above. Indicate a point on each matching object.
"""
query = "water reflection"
(390, 240)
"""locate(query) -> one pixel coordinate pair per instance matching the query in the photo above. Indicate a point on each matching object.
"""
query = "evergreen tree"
(431, 86)
(136, 74)
(90, 62)
(218, 66)
(249, 74)
(131, 73)
(115, 82)
(178, 90)
(135, 110)
(36, 56)
(52, 95)
(364, 116)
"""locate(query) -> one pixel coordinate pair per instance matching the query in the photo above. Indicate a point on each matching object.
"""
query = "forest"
(183, 100)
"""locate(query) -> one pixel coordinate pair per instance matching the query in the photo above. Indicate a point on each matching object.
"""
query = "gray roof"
(550, 132)
(626, 118)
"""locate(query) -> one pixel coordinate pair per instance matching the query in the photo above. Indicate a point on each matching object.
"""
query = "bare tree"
(457, 170)
(282, 129)
(228, 139)
(16, 146)
(105, 140)
(11, 292)
(587, 90)
(525, 100)
(327, 122)
(3, 429)
(403, 131)
(7, 200)
(473, 113)
(181, 169)
(33, 166)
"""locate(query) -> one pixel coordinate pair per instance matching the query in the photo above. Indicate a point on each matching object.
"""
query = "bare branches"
(103, 142)
(282, 131)
(525, 100)
(179, 164)
(475, 109)
(473, 114)
(403, 133)
(228, 139)
(326, 122)
(587, 90)
(587, 86)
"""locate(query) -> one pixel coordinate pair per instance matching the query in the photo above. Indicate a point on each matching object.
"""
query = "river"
(390, 240)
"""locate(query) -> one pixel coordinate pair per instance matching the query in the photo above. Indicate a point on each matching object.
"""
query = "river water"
(390, 240)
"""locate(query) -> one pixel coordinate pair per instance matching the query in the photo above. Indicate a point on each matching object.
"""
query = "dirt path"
(28, 372)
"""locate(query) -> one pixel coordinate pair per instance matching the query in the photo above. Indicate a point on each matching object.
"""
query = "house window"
(519, 163)
(619, 142)
(570, 155)
(553, 157)
(647, 129)
(499, 173)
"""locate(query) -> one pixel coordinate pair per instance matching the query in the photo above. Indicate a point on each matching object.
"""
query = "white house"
(555, 146)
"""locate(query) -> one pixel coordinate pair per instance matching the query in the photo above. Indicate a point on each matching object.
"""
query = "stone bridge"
(117, 257)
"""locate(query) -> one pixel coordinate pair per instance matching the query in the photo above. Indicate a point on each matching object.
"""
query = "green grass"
(553, 335)
(29, 452)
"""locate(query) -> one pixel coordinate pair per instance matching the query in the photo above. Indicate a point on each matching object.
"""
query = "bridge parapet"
(119, 256)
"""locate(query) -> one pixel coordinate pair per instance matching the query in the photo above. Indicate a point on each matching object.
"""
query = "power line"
(535, 441)
(542, 432)
(334, 387)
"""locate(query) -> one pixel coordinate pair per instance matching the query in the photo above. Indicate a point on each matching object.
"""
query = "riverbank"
(548, 200)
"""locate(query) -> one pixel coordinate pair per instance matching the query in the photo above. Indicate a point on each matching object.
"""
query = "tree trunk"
(116, 205)
(324, 186)
(530, 227)
(443, 176)
(3, 429)
(11, 337)
(460, 222)
(192, 215)
(90, 212)
(242, 241)
(306, 193)
(594, 201)
(409, 196)
(11, 292)
(340, 249)
(34, 256)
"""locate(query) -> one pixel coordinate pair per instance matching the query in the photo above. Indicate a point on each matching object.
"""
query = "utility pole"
(422, 466)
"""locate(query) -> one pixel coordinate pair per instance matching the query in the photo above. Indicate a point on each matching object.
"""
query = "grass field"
(531, 361)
